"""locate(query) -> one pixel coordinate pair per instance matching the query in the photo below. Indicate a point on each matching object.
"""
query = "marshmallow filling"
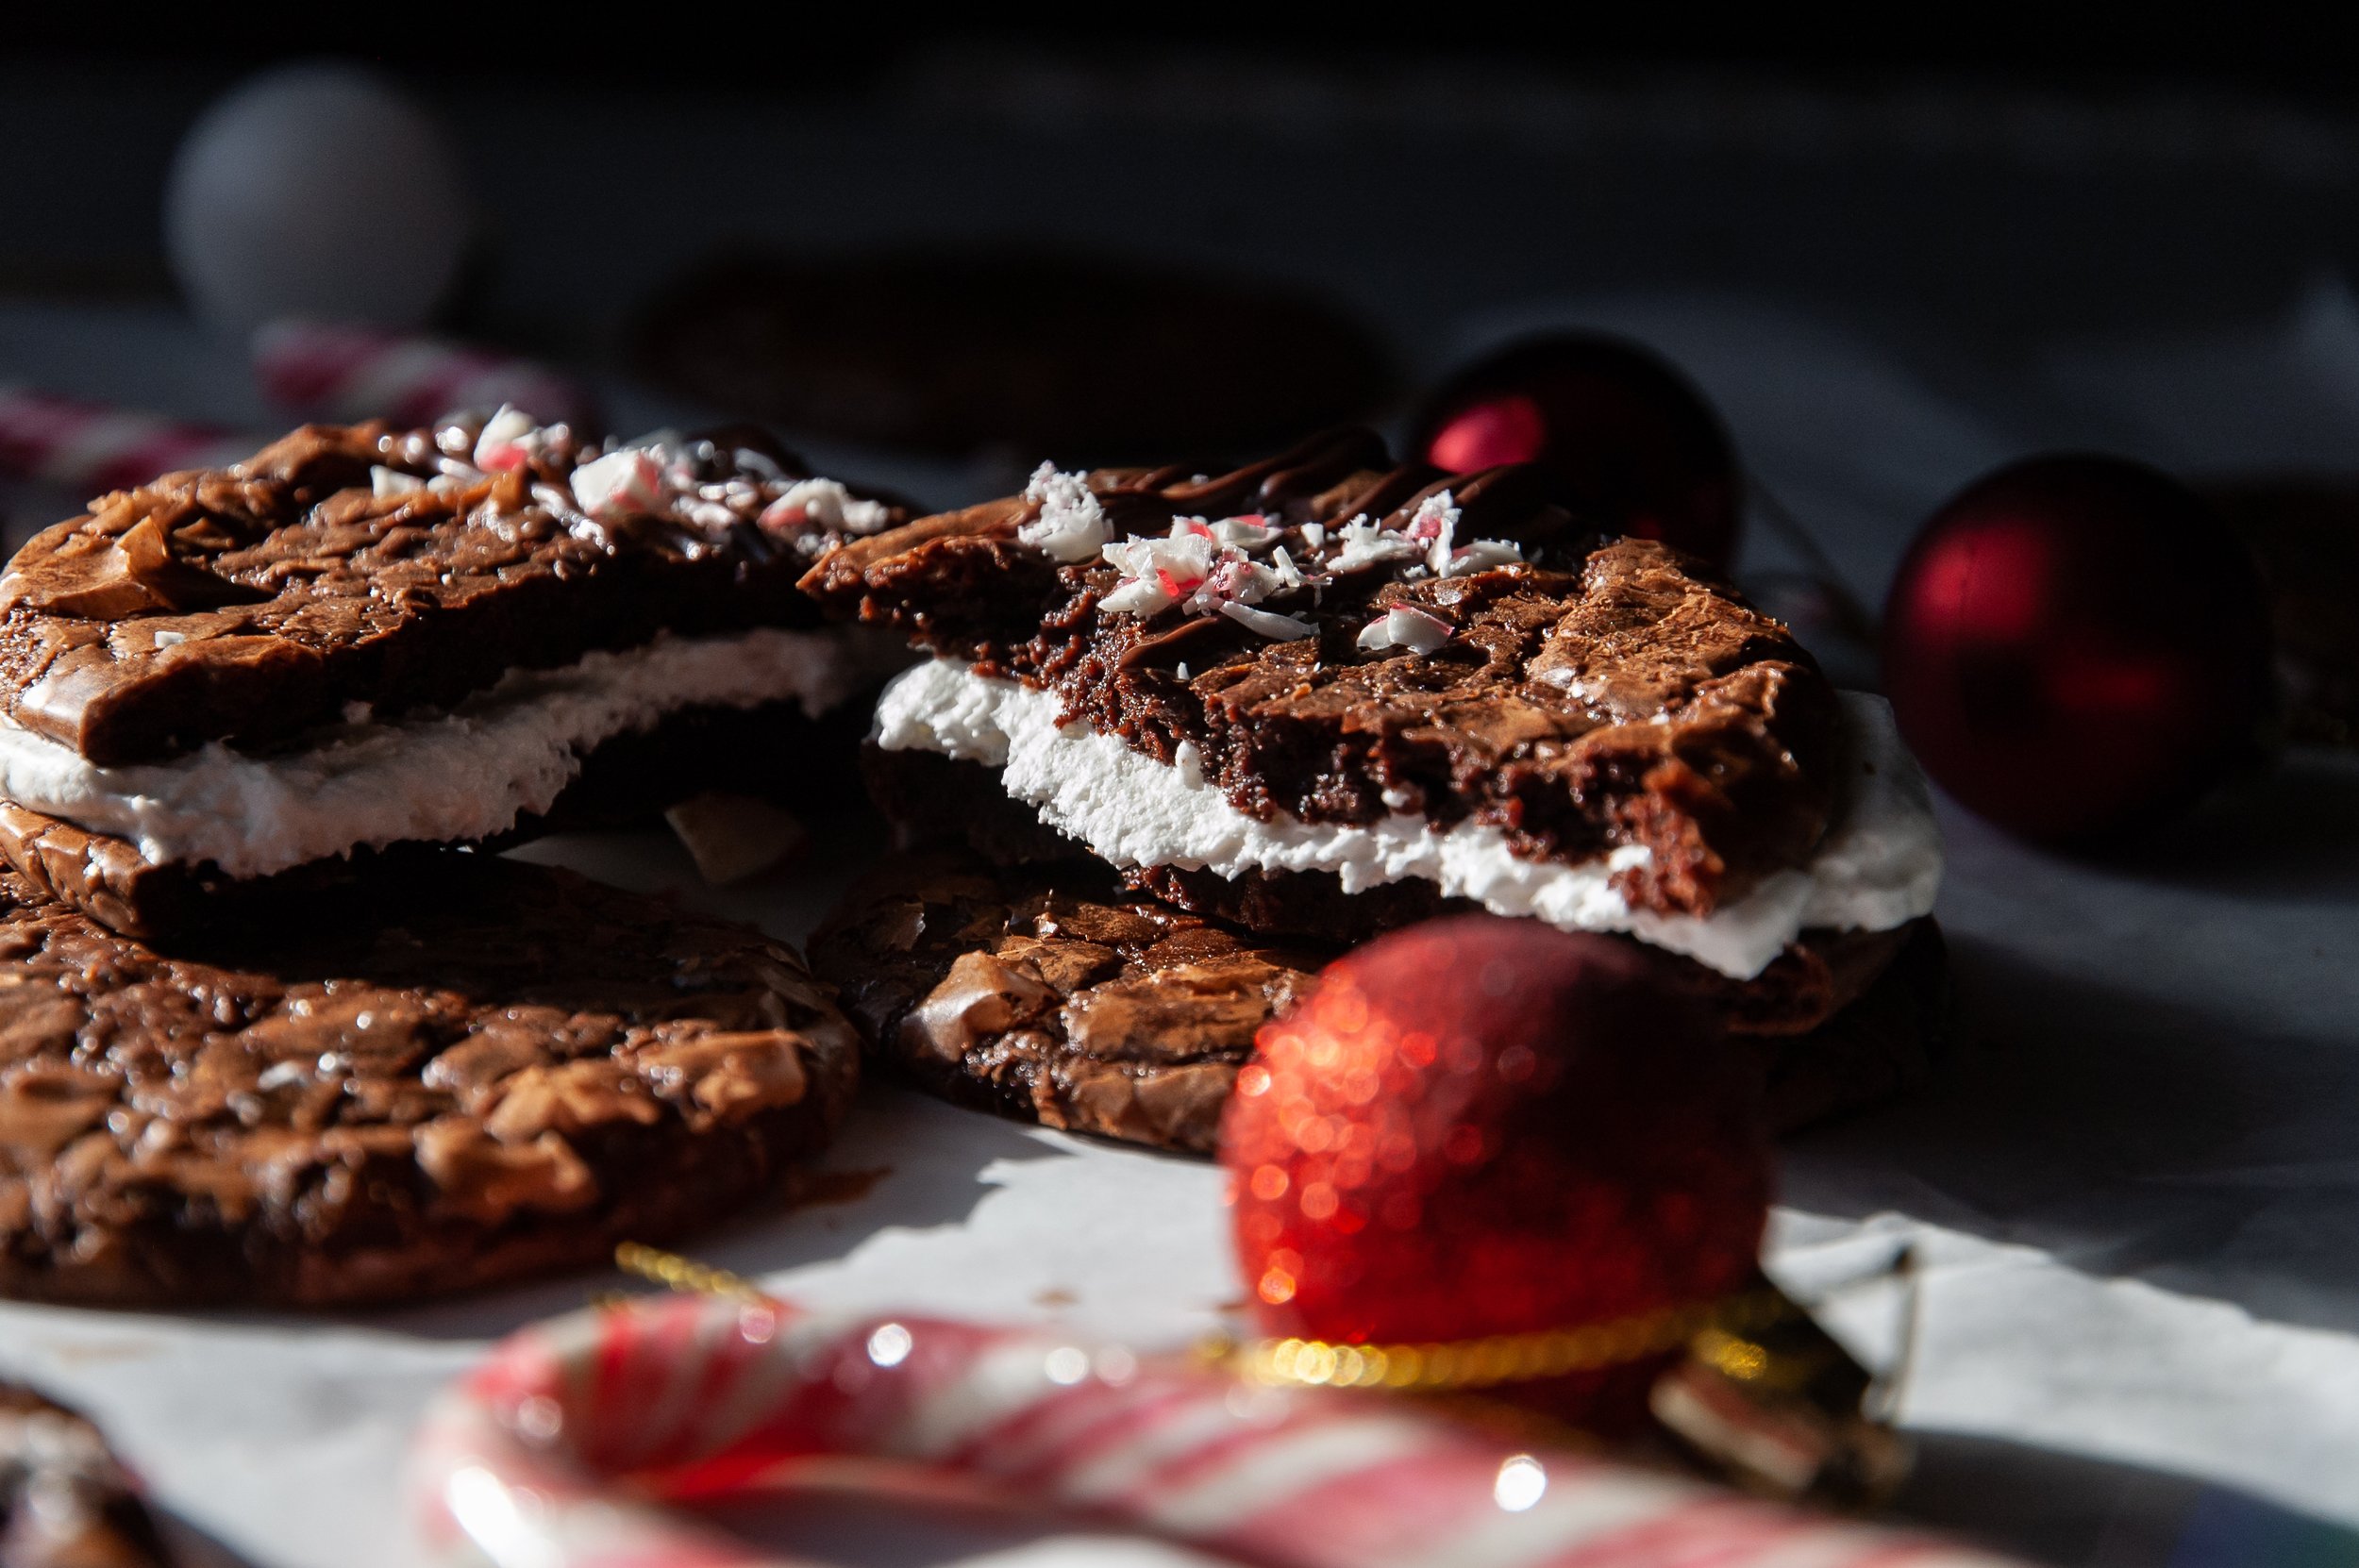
(456, 776)
(1878, 866)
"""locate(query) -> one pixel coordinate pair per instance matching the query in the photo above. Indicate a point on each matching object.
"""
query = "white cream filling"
(1879, 865)
(457, 775)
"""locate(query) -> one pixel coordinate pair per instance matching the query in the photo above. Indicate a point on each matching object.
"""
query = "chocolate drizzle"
(1331, 479)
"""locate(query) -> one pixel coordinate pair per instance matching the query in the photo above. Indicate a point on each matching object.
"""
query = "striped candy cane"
(562, 1449)
(91, 448)
(331, 370)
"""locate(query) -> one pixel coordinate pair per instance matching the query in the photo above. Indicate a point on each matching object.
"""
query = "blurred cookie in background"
(64, 1500)
(1088, 360)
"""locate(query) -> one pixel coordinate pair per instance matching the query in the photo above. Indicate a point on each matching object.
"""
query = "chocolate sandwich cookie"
(65, 1501)
(1051, 994)
(772, 752)
(475, 1072)
(364, 636)
(1030, 353)
(1327, 694)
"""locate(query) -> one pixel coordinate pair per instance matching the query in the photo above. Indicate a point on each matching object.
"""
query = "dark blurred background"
(1938, 240)
(2006, 173)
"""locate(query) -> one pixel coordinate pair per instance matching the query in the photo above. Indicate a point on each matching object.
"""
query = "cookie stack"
(1192, 733)
(266, 1033)
(272, 1027)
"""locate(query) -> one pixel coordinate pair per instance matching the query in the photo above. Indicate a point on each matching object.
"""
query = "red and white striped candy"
(322, 370)
(562, 1449)
(91, 448)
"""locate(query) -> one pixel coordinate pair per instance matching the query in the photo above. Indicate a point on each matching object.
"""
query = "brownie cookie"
(1049, 992)
(364, 637)
(65, 1502)
(1517, 696)
(1037, 353)
(1324, 666)
(478, 1071)
(107, 879)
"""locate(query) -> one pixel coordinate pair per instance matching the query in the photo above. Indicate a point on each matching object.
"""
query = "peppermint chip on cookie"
(364, 639)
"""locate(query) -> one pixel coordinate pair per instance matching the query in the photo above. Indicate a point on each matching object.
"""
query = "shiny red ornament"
(1636, 446)
(1479, 1127)
(2076, 647)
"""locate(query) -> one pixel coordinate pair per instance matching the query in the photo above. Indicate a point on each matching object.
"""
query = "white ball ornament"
(318, 191)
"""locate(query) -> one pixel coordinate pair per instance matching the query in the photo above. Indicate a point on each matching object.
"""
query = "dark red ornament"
(1480, 1127)
(2076, 647)
(1636, 447)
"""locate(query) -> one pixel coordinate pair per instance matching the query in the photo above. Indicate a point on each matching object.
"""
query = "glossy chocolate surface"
(480, 1070)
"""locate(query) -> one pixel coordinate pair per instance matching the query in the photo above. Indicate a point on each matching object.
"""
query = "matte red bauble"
(1635, 447)
(1480, 1127)
(2076, 647)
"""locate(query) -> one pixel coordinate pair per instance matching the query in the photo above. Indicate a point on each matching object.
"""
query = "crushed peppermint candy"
(1248, 533)
(386, 481)
(821, 502)
(625, 484)
(1431, 534)
(710, 486)
(1366, 543)
(1198, 567)
(509, 442)
(1071, 527)
(1159, 573)
(757, 462)
(1483, 554)
(1210, 565)
(1433, 524)
(1289, 576)
(1403, 626)
(1280, 629)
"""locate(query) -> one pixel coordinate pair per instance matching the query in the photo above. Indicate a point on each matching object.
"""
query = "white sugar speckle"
(1071, 527)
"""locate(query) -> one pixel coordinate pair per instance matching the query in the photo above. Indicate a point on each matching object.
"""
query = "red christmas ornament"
(1482, 1126)
(1636, 446)
(2076, 646)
